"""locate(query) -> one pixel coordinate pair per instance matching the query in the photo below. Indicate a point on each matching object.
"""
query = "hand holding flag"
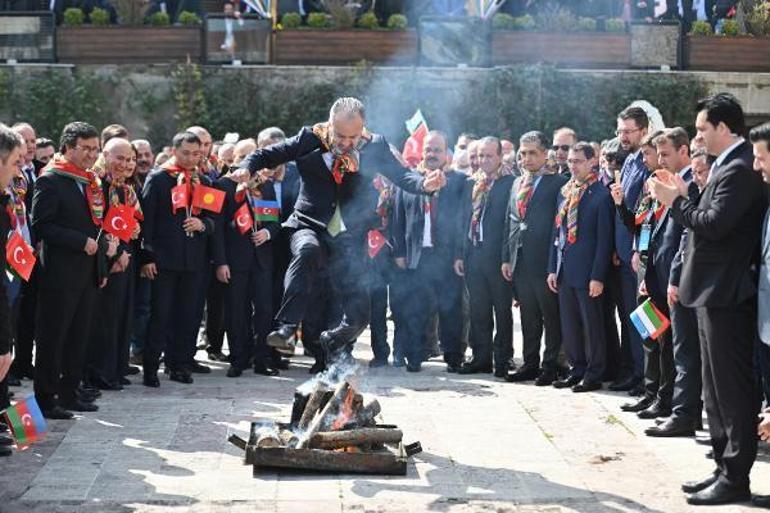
(19, 255)
(120, 222)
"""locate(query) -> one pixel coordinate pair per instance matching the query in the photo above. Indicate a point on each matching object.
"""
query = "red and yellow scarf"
(93, 186)
(479, 197)
(344, 161)
(568, 213)
(189, 178)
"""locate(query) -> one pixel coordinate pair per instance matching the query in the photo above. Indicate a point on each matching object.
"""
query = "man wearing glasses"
(563, 139)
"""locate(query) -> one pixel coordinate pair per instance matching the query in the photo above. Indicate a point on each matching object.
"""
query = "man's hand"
(400, 262)
(239, 175)
(615, 259)
(193, 224)
(636, 261)
(91, 247)
(434, 181)
(459, 268)
(223, 273)
(260, 237)
(595, 288)
(616, 191)
(672, 295)
(643, 288)
(507, 271)
(551, 281)
(121, 264)
(5, 364)
(149, 271)
(666, 193)
(763, 430)
(112, 246)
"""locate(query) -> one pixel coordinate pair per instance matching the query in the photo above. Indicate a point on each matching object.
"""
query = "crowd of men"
(317, 236)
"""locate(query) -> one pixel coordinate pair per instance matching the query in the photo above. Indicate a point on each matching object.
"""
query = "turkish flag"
(413, 147)
(376, 241)
(242, 219)
(179, 198)
(19, 255)
(208, 198)
(120, 222)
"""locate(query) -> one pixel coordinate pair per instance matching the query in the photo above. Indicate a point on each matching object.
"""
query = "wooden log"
(288, 438)
(330, 461)
(313, 405)
(355, 437)
(298, 407)
(340, 392)
(268, 440)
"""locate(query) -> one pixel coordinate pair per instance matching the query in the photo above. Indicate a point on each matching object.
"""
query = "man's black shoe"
(234, 372)
(280, 363)
(587, 386)
(89, 390)
(761, 501)
(77, 405)
(453, 368)
(474, 367)
(624, 385)
(132, 370)
(414, 367)
(283, 339)
(672, 427)
(545, 378)
(56, 413)
(523, 374)
(377, 362)
(198, 368)
(150, 379)
(217, 356)
(568, 382)
(502, 372)
(640, 405)
(180, 377)
(399, 362)
(719, 493)
(654, 411)
(261, 368)
(124, 381)
(637, 391)
(103, 384)
(696, 486)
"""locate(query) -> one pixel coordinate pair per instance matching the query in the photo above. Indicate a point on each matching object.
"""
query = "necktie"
(526, 190)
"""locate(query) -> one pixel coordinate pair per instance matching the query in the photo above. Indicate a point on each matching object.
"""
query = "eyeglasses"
(626, 131)
(88, 149)
(562, 147)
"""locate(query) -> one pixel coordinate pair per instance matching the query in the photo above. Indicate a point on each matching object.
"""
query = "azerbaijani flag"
(649, 321)
(265, 210)
(26, 421)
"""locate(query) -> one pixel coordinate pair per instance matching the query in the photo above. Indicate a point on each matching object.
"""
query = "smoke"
(343, 368)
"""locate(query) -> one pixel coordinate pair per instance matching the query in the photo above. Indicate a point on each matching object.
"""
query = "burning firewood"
(341, 392)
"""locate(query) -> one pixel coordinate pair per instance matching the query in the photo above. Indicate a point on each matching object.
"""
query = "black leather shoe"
(696, 486)
(132, 370)
(57, 413)
(587, 386)
(283, 339)
(85, 397)
(568, 382)
(545, 378)
(180, 377)
(125, 381)
(654, 411)
(198, 368)
(414, 367)
(80, 406)
(261, 368)
(761, 501)
(640, 405)
(474, 367)
(624, 385)
(280, 363)
(103, 384)
(377, 362)
(453, 368)
(90, 391)
(234, 372)
(719, 493)
(318, 366)
(501, 373)
(217, 356)
(672, 427)
(523, 374)
(637, 391)
(150, 379)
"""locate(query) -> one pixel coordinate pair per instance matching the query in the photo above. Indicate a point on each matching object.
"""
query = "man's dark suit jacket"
(493, 221)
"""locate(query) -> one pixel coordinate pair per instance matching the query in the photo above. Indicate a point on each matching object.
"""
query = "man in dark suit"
(174, 244)
(632, 129)
(243, 258)
(426, 232)
(529, 237)
(337, 162)
(67, 211)
(482, 235)
(577, 269)
(719, 280)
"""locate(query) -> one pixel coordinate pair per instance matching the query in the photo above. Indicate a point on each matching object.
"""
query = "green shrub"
(99, 17)
(586, 25)
(730, 28)
(188, 19)
(503, 21)
(615, 25)
(758, 19)
(74, 17)
(397, 22)
(291, 20)
(368, 20)
(160, 19)
(701, 28)
(317, 20)
(525, 22)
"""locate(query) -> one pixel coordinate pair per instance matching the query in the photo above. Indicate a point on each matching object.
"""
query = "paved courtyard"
(488, 446)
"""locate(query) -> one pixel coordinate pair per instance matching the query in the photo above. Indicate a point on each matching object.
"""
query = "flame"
(346, 411)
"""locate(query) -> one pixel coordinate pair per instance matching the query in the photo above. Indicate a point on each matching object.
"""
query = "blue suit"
(576, 264)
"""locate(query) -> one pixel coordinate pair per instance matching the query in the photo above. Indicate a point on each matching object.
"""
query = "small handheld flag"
(179, 198)
(208, 198)
(376, 241)
(242, 219)
(649, 321)
(120, 222)
(26, 421)
(19, 255)
(413, 123)
(265, 210)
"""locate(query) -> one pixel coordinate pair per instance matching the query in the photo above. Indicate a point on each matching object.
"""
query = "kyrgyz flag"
(208, 198)
(120, 222)
(26, 421)
(265, 210)
(242, 219)
(19, 255)
(418, 129)
(376, 241)
(179, 198)
(649, 321)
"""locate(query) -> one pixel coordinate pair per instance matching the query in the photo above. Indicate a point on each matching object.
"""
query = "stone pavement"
(488, 446)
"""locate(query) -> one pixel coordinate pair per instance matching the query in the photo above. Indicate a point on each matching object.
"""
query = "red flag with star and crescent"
(179, 198)
(376, 241)
(20, 255)
(243, 219)
(120, 222)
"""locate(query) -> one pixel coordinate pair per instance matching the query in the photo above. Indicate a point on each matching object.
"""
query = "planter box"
(585, 50)
(739, 53)
(343, 47)
(128, 45)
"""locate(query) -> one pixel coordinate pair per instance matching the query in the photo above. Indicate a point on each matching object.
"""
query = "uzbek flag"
(649, 321)
(26, 421)
(266, 210)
